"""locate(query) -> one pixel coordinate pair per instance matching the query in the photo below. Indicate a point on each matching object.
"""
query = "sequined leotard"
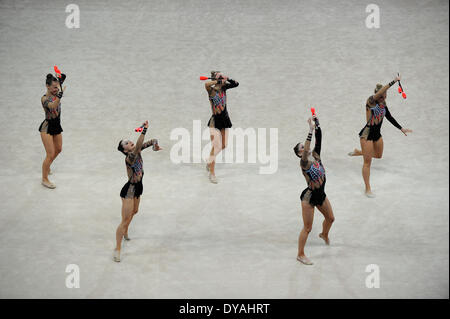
(218, 100)
(52, 123)
(378, 111)
(314, 173)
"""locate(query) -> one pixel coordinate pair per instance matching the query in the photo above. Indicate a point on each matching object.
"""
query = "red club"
(140, 128)
(400, 90)
(57, 71)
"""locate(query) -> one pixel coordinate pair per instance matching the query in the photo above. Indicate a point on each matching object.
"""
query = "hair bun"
(378, 87)
(49, 79)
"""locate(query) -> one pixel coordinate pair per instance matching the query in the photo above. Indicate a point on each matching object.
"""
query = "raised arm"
(385, 88)
(230, 83)
(140, 140)
(318, 136)
(209, 84)
(307, 146)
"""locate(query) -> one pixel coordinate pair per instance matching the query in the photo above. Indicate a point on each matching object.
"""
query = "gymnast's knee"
(51, 155)
(367, 162)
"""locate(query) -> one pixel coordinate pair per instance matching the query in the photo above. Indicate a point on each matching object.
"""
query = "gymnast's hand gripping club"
(221, 79)
(61, 77)
(140, 128)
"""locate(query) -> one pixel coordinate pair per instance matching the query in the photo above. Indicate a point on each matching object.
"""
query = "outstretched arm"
(385, 88)
(131, 156)
(391, 119)
(318, 136)
(307, 146)
(394, 122)
(140, 140)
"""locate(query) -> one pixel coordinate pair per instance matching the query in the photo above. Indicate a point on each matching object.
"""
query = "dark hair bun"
(49, 79)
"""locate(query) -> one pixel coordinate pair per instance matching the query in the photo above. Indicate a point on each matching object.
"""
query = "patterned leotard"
(52, 123)
(220, 118)
(314, 173)
(372, 130)
(219, 102)
(135, 171)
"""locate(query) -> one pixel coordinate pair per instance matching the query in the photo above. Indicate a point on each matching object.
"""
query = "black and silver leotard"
(314, 173)
(378, 111)
(218, 100)
(52, 123)
(135, 170)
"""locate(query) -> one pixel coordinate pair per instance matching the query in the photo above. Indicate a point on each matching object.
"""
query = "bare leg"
(211, 161)
(378, 148)
(308, 217)
(136, 202)
(127, 212)
(327, 212)
(49, 146)
(367, 149)
(224, 133)
(216, 141)
(57, 142)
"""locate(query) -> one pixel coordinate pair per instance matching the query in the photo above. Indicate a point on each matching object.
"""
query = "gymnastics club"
(313, 112)
(58, 74)
(400, 89)
(140, 128)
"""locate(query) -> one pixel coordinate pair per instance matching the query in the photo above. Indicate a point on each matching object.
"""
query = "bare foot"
(355, 152)
(326, 239)
(304, 260)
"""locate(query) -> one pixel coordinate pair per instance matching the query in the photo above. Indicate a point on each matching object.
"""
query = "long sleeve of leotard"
(318, 136)
(230, 84)
(149, 143)
(392, 120)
